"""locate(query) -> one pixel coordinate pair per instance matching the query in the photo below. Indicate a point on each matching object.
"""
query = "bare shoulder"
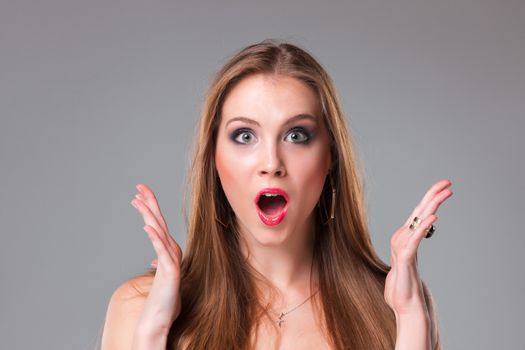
(123, 312)
(434, 324)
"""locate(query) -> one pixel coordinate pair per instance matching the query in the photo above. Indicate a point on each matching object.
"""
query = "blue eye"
(243, 136)
(298, 135)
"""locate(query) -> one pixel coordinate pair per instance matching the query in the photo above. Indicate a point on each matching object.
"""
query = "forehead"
(270, 94)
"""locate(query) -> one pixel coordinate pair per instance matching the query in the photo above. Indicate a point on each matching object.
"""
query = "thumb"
(154, 263)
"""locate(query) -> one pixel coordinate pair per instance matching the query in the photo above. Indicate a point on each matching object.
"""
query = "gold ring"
(415, 223)
(430, 231)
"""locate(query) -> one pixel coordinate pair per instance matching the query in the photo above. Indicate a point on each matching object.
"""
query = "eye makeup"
(242, 136)
(300, 135)
(297, 134)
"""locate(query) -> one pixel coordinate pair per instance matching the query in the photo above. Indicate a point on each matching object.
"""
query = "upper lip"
(271, 190)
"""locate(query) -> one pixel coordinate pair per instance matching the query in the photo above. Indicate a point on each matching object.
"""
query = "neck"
(288, 267)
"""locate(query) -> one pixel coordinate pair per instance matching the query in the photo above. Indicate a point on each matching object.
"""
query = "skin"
(271, 157)
(274, 147)
(403, 287)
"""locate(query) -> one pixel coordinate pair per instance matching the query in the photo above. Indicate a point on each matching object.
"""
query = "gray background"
(96, 96)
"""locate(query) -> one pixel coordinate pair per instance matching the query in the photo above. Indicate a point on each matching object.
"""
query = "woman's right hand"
(163, 303)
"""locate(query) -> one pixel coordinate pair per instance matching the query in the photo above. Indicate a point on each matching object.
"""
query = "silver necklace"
(280, 319)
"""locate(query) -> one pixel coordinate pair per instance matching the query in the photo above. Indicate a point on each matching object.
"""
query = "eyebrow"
(293, 119)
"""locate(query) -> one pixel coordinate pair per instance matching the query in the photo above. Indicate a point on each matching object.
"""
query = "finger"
(433, 205)
(146, 195)
(151, 201)
(420, 232)
(164, 257)
(436, 188)
(147, 215)
(150, 220)
(154, 263)
(429, 195)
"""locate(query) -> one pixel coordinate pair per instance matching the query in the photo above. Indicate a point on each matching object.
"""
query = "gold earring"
(332, 206)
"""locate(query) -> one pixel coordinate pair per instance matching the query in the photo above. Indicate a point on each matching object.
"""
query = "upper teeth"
(270, 195)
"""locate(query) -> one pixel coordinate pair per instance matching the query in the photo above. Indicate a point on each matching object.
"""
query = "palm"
(403, 286)
(163, 304)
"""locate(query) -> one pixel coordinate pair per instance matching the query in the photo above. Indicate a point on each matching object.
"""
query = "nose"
(272, 163)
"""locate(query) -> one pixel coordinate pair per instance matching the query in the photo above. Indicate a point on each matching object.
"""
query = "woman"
(278, 252)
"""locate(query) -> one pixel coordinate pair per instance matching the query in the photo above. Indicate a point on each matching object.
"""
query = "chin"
(267, 236)
(269, 239)
(271, 236)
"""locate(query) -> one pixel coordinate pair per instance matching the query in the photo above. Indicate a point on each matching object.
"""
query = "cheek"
(226, 173)
(234, 174)
(314, 180)
(310, 173)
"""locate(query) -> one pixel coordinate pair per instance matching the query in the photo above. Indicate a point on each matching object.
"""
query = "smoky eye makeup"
(297, 134)
(242, 136)
(300, 135)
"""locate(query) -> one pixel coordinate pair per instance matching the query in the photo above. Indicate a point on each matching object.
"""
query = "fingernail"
(134, 204)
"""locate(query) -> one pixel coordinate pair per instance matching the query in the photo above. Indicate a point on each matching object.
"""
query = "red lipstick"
(278, 212)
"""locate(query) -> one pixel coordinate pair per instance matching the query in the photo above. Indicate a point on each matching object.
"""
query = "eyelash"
(307, 135)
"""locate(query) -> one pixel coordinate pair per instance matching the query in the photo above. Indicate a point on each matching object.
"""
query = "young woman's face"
(272, 157)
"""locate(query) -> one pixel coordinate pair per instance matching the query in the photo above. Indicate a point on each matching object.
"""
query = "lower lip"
(272, 220)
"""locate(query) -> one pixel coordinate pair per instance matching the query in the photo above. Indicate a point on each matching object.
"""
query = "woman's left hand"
(403, 287)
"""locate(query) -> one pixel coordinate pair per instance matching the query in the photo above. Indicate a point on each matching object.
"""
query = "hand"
(163, 304)
(403, 287)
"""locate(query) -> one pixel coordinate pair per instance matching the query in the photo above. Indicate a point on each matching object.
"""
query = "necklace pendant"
(280, 320)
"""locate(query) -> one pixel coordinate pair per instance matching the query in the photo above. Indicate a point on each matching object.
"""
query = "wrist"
(416, 311)
(420, 321)
(149, 338)
(149, 329)
(413, 331)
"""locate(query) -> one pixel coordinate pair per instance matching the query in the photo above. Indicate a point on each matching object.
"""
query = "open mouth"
(272, 204)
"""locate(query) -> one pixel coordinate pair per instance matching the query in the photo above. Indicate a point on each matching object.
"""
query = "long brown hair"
(220, 307)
